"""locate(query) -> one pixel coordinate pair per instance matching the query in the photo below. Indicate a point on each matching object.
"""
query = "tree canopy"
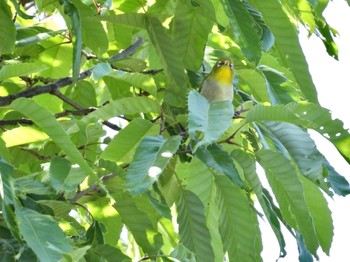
(108, 152)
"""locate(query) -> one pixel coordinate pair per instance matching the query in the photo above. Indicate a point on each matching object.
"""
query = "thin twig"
(38, 90)
(66, 99)
(65, 81)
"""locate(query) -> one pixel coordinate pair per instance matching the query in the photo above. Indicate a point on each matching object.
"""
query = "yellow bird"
(217, 86)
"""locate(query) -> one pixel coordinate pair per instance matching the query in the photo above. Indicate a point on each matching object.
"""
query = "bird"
(217, 85)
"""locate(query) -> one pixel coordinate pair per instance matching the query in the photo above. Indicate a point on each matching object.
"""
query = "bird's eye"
(220, 63)
(231, 66)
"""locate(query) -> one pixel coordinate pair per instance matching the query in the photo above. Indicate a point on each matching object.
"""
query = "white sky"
(332, 80)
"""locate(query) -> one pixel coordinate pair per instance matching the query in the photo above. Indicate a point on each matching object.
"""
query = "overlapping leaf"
(194, 233)
(151, 157)
(212, 119)
(46, 121)
(288, 190)
(287, 44)
(238, 223)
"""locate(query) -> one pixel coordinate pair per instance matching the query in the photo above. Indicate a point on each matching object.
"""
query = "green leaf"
(140, 224)
(23, 135)
(104, 213)
(238, 223)
(266, 37)
(289, 193)
(100, 70)
(171, 61)
(215, 157)
(307, 115)
(278, 93)
(247, 162)
(7, 29)
(128, 19)
(9, 199)
(76, 34)
(47, 122)
(320, 213)
(288, 46)
(28, 36)
(194, 233)
(4, 152)
(243, 28)
(125, 106)
(123, 145)
(23, 69)
(42, 235)
(190, 29)
(61, 180)
(151, 157)
(111, 253)
(338, 183)
(212, 119)
(300, 147)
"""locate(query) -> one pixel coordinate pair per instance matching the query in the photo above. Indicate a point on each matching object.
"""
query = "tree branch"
(49, 88)
(62, 82)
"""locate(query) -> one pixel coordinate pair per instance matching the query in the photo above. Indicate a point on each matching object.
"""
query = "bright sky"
(332, 80)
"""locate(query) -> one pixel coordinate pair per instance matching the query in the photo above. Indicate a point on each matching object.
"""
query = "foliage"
(108, 152)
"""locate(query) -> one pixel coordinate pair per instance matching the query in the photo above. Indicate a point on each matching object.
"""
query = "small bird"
(217, 86)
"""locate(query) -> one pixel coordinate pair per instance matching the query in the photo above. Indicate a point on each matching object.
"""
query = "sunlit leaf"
(151, 157)
(212, 119)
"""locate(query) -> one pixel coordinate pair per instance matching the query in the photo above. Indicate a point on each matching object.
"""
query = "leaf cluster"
(108, 152)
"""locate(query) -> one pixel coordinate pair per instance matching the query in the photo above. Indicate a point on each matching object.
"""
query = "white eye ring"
(220, 63)
(231, 66)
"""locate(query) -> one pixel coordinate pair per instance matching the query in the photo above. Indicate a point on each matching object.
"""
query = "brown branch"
(66, 99)
(65, 81)
(49, 88)
(90, 189)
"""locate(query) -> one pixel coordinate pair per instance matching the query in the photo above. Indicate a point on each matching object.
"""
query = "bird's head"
(223, 70)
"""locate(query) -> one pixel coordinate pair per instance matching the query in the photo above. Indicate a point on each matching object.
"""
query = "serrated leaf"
(289, 193)
(23, 69)
(320, 213)
(7, 29)
(307, 115)
(140, 225)
(151, 157)
(171, 61)
(278, 93)
(243, 28)
(238, 223)
(247, 162)
(190, 29)
(123, 145)
(42, 234)
(215, 157)
(194, 233)
(300, 147)
(288, 46)
(210, 118)
(338, 183)
(47, 122)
